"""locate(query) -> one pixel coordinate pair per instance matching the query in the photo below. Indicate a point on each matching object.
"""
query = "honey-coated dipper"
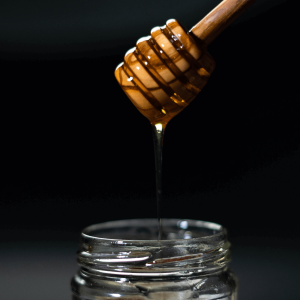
(166, 70)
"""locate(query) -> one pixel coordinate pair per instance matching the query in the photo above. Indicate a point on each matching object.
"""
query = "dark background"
(76, 152)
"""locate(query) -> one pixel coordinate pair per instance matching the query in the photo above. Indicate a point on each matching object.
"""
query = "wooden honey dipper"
(165, 71)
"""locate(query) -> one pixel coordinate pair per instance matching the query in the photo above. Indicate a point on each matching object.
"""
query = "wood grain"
(219, 18)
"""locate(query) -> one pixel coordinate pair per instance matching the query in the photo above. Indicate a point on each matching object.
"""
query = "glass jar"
(124, 260)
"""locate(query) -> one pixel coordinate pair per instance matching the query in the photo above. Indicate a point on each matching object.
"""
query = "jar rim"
(207, 249)
(216, 230)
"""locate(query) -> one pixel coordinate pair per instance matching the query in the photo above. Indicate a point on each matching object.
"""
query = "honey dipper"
(166, 70)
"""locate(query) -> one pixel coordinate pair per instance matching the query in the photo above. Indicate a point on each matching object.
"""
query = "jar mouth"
(131, 248)
(146, 230)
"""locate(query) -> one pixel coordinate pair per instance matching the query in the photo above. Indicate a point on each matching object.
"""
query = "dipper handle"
(219, 18)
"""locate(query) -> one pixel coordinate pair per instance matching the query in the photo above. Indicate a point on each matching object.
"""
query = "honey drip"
(158, 136)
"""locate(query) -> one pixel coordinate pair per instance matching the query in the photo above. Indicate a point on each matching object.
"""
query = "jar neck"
(208, 252)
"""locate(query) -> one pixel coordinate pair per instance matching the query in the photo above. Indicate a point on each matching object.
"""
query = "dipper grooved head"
(164, 72)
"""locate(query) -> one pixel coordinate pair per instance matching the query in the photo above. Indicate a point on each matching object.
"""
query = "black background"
(76, 152)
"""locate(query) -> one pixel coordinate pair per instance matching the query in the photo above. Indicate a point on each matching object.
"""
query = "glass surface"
(124, 260)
